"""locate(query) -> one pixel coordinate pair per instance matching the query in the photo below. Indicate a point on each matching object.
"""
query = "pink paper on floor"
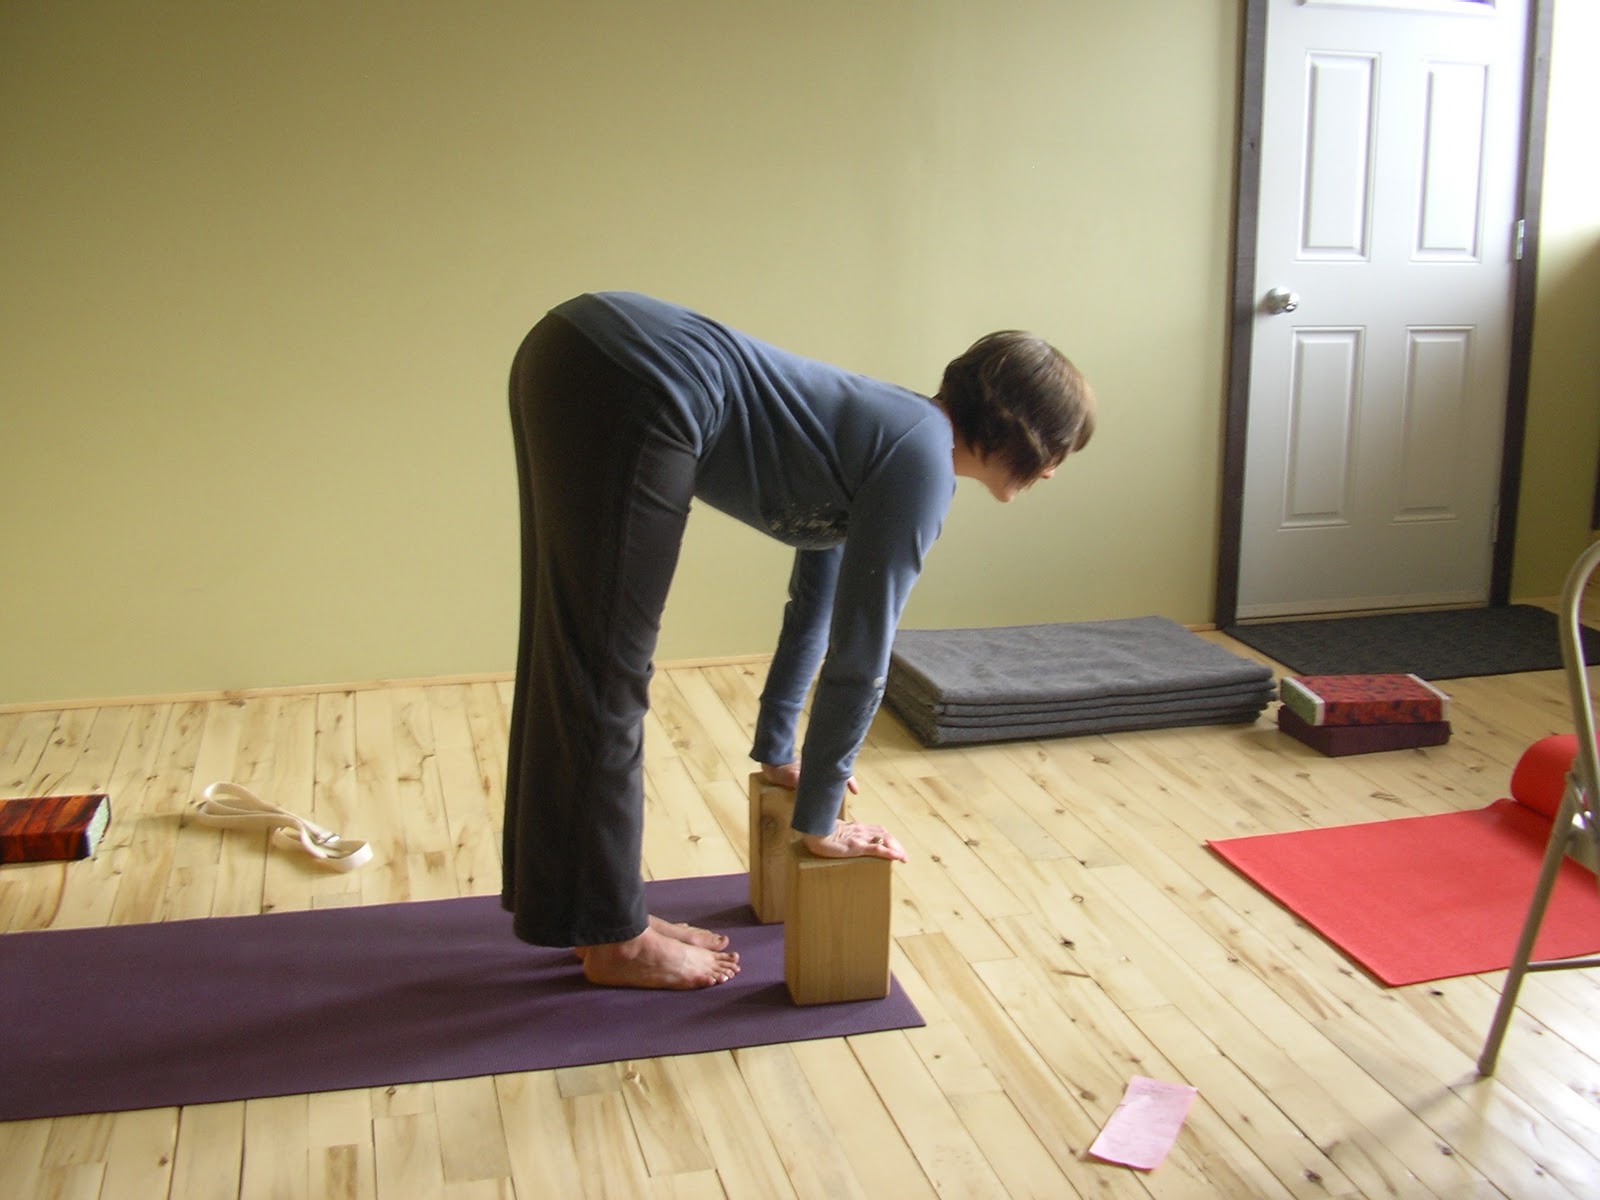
(1145, 1124)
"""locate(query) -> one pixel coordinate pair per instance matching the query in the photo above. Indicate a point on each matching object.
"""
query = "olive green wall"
(266, 265)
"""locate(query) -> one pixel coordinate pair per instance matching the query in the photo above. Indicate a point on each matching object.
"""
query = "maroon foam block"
(1338, 740)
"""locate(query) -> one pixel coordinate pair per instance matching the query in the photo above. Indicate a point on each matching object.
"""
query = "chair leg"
(1554, 851)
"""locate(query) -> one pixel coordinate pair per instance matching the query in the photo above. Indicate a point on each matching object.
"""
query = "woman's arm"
(895, 518)
(802, 641)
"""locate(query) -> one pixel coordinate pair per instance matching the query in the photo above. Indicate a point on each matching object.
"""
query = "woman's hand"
(853, 839)
(787, 775)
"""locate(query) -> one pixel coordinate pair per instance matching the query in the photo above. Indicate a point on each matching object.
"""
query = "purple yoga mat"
(231, 1008)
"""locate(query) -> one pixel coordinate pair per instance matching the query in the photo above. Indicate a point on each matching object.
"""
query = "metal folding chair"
(1576, 829)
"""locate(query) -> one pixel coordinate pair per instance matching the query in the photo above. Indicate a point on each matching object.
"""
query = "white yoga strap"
(227, 805)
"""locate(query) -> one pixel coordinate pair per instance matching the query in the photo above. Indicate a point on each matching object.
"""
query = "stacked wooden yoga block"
(835, 911)
(1358, 714)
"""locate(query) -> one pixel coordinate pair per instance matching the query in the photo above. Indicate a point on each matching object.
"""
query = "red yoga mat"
(1424, 898)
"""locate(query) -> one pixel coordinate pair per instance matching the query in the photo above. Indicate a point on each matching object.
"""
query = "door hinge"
(1519, 235)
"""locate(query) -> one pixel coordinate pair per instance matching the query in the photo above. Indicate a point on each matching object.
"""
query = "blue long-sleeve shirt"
(854, 473)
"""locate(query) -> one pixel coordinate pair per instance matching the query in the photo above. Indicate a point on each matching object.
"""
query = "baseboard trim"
(306, 689)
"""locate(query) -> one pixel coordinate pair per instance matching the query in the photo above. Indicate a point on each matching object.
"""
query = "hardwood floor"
(1061, 926)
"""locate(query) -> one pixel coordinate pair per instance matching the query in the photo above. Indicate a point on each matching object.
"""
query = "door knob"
(1281, 300)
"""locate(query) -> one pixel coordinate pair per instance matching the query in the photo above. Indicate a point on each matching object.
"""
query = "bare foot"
(691, 934)
(654, 960)
(787, 775)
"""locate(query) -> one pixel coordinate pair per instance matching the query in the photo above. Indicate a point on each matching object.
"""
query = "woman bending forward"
(624, 409)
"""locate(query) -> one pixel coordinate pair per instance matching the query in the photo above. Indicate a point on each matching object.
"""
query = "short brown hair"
(1015, 397)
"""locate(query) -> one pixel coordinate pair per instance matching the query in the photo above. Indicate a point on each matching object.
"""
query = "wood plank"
(610, 1164)
(1053, 1109)
(419, 799)
(1484, 1122)
(277, 1148)
(945, 1050)
(210, 1151)
(61, 752)
(952, 1161)
(139, 1154)
(78, 1140)
(717, 725)
(24, 747)
(406, 1153)
(881, 1160)
(746, 1158)
(471, 1139)
(89, 886)
(401, 1100)
(539, 1145)
(375, 804)
(931, 896)
(1295, 1160)
(681, 835)
(738, 687)
(812, 1155)
(343, 1172)
(480, 1189)
(1378, 1141)
(339, 1118)
(487, 719)
(692, 733)
(201, 845)
(157, 826)
(1094, 1048)
(472, 813)
(290, 881)
(22, 1145)
(669, 1133)
(79, 1182)
(1010, 1145)
(242, 865)
(133, 778)
(692, 1185)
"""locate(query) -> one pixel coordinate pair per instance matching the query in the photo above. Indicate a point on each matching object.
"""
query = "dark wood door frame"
(1253, 43)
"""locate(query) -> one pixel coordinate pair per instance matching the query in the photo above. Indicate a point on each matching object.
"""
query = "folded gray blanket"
(931, 734)
(904, 689)
(1256, 697)
(1134, 656)
(1021, 681)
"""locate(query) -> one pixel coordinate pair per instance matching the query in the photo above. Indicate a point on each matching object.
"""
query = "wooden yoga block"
(771, 810)
(836, 938)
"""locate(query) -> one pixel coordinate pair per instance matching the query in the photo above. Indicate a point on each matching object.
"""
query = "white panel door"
(1384, 263)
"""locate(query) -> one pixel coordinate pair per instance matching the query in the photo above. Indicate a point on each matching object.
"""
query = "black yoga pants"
(605, 477)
